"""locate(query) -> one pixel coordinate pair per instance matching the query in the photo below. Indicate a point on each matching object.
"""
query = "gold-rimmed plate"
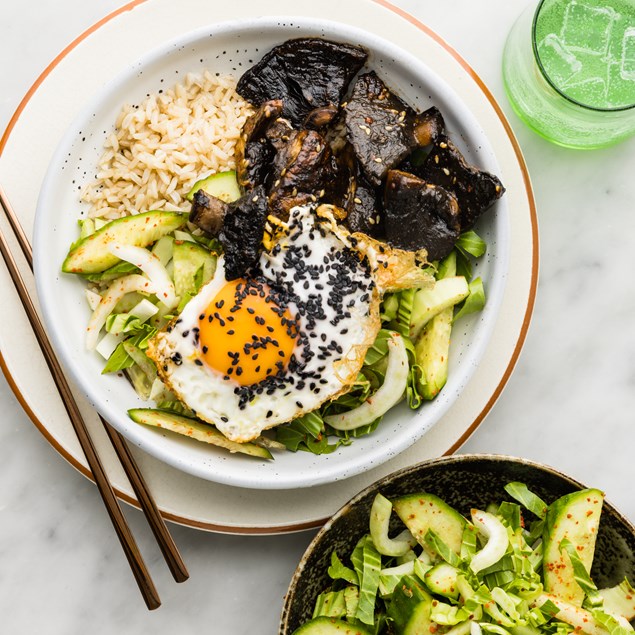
(185, 498)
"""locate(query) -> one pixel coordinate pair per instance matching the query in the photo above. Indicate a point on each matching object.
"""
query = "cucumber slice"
(86, 227)
(194, 266)
(194, 429)
(330, 626)
(432, 349)
(140, 382)
(432, 352)
(223, 185)
(442, 580)
(122, 268)
(429, 302)
(575, 516)
(420, 512)
(410, 608)
(163, 249)
(91, 255)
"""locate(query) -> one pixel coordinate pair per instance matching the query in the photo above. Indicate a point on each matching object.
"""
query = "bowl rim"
(349, 468)
(429, 463)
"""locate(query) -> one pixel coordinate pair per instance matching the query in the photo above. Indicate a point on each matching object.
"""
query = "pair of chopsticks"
(157, 524)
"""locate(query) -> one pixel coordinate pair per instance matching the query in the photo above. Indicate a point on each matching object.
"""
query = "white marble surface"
(570, 402)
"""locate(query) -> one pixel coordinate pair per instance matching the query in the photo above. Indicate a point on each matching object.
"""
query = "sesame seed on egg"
(294, 309)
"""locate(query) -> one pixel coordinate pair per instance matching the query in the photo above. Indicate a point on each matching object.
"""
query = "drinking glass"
(569, 71)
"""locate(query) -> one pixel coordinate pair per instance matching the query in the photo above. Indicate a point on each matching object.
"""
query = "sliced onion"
(497, 540)
(389, 393)
(93, 299)
(116, 291)
(150, 264)
(379, 521)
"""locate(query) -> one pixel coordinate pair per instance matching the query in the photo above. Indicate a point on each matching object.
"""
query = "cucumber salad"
(516, 568)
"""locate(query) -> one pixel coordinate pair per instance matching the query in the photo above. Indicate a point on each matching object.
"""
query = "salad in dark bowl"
(468, 545)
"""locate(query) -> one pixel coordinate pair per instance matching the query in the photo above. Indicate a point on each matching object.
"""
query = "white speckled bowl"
(227, 48)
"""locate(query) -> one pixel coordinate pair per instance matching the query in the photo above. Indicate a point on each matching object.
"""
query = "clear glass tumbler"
(569, 71)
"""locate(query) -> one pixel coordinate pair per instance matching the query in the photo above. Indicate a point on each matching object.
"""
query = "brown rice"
(161, 147)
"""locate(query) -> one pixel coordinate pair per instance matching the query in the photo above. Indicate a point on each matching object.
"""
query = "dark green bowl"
(464, 482)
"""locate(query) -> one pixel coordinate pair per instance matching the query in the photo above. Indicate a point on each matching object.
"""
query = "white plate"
(228, 48)
(191, 500)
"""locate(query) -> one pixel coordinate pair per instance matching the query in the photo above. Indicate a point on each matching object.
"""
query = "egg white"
(336, 303)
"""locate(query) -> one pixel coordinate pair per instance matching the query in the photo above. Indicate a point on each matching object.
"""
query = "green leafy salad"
(516, 568)
(143, 270)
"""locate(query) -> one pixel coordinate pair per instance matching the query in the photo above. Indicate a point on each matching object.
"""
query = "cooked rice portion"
(161, 147)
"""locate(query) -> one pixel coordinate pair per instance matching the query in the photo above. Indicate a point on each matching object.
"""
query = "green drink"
(569, 71)
(587, 50)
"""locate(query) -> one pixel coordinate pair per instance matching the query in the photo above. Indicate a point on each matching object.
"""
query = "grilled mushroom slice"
(320, 117)
(475, 190)
(383, 129)
(358, 198)
(279, 132)
(242, 231)
(306, 73)
(363, 213)
(208, 212)
(303, 171)
(420, 215)
(254, 152)
(429, 126)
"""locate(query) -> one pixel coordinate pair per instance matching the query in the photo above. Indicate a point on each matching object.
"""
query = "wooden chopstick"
(157, 524)
(148, 505)
(155, 520)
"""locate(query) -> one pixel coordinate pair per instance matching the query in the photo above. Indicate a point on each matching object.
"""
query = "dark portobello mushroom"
(420, 215)
(242, 231)
(320, 117)
(429, 126)
(355, 195)
(254, 152)
(208, 212)
(383, 129)
(303, 171)
(306, 73)
(475, 190)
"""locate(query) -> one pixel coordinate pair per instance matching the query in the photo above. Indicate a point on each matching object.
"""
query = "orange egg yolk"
(245, 334)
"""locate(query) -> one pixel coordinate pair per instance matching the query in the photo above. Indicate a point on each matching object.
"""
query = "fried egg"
(251, 354)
